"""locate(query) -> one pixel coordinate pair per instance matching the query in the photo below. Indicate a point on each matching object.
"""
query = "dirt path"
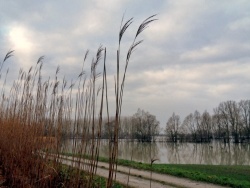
(140, 178)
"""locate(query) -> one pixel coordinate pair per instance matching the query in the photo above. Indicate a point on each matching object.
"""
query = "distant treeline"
(142, 126)
(230, 121)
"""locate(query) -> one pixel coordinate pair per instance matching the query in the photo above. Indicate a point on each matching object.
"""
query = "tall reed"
(37, 115)
(119, 89)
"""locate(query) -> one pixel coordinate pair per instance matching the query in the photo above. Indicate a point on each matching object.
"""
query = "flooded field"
(216, 153)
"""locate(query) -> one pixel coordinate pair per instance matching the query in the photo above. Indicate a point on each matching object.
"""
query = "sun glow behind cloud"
(19, 38)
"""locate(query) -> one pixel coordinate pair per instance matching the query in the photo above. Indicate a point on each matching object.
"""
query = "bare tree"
(224, 117)
(189, 123)
(182, 133)
(197, 121)
(172, 127)
(219, 125)
(146, 126)
(244, 106)
(206, 126)
(125, 127)
(230, 112)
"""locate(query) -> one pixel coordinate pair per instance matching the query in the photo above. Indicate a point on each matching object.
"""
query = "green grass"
(233, 176)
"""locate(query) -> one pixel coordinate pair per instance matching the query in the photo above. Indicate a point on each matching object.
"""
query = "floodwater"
(216, 153)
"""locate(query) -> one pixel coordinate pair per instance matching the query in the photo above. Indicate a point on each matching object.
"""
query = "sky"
(196, 55)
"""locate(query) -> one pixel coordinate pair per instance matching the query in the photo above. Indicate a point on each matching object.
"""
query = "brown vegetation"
(36, 115)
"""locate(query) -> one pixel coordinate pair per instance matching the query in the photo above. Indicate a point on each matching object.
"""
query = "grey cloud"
(195, 56)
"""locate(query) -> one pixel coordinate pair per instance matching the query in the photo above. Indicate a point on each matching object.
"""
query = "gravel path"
(134, 181)
(140, 178)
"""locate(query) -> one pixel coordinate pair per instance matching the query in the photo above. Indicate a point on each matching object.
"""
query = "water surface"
(216, 153)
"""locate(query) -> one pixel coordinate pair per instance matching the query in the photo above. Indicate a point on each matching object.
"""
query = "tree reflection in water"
(179, 153)
(142, 152)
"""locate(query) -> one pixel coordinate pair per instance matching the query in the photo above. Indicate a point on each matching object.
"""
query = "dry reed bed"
(37, 115)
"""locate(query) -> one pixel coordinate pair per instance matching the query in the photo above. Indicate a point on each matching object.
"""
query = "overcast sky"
(195, 56)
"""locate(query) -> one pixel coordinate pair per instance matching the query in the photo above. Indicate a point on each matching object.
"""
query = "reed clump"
(36, 116)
